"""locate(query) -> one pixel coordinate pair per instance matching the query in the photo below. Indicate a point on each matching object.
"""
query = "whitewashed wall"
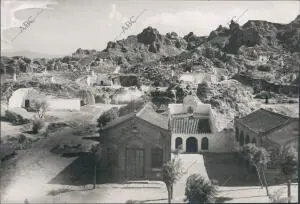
(217, 142)
(64, 104)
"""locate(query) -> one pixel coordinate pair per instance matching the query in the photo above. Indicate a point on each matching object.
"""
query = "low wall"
(64, 104)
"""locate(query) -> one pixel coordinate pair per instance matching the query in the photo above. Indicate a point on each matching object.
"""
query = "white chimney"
(14, 76)
(52, 80)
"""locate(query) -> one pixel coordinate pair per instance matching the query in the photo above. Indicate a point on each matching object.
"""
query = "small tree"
(96, 151)
(171, 173)
(199, 190)
(288, 166)
(107, 116)
(41, 106)
(258, 157)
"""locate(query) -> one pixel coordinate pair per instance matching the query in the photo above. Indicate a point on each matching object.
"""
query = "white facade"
(193, 126)
(64, 104)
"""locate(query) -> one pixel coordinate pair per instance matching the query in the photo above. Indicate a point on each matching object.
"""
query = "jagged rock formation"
(258, 51)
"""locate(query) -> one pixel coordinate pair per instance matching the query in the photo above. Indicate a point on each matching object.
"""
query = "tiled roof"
(149, 115)
(186, 125)
(262, 120)
(146, 113)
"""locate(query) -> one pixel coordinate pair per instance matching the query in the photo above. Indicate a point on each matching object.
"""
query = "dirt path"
(27, 175)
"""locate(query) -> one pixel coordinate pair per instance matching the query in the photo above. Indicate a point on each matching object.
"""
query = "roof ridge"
(139, 113)
(274, 113)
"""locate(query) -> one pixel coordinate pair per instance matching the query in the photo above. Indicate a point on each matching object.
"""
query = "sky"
(66, 25)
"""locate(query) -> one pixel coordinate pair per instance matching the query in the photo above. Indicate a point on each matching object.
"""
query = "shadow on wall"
(228, 170)
(81, 172)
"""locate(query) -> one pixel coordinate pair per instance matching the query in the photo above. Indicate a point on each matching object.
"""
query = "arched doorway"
(236, 134)
(247, 139)
(242, 139)
(178, 142)
(191, 144)
(204, 143)
(254, 141)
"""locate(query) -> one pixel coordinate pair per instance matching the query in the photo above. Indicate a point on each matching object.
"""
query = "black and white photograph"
(149, 101)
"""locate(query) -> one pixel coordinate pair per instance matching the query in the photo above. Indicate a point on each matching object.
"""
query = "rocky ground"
(237, 62)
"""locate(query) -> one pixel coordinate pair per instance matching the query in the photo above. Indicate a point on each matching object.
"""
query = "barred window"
(156, 157)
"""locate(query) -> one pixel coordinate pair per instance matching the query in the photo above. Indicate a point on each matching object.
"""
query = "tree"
(199, 190)
(171, 173)
(288, 166)
(96, 151)
(41, 106)
(258, 157)
(107, 116)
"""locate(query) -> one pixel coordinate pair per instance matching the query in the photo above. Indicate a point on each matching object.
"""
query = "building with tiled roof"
(136, 145)
(193, 128)
(267, 129)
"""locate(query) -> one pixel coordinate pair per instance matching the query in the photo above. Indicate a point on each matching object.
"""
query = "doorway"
(135, 163)
(27, 104)
(192, 145)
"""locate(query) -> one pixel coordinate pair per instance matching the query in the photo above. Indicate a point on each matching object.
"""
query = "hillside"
(245, 59)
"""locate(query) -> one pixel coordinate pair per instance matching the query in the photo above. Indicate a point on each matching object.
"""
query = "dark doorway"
(242, 139)
(191, 145)
(204, 143)
(247, 139)
(101, 83)
(81, 103)
(27, 104)
(178, 142)
(134, 163)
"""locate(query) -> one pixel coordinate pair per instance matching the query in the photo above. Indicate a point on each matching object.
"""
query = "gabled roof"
(262, 120)
(146, 113)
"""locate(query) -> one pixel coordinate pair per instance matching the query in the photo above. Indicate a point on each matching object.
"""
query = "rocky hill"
(259, 56)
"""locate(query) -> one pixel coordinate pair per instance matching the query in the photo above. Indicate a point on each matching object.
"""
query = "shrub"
(199, 190)
(15, 118)
(107, 116)
(37, 125)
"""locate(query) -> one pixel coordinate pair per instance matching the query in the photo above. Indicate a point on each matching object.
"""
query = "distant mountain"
(29, 54)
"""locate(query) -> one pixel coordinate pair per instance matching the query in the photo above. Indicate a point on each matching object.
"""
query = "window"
(236, 134)
(247, 139)
(157, 157)
(204, 143)
(242, 139)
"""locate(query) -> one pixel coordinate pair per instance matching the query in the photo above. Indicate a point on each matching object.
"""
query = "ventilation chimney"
(14, 76)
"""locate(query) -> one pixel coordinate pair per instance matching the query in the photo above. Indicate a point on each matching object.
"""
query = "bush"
(37, 125)
(199, 190)
(15, 118)
(107, 116)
